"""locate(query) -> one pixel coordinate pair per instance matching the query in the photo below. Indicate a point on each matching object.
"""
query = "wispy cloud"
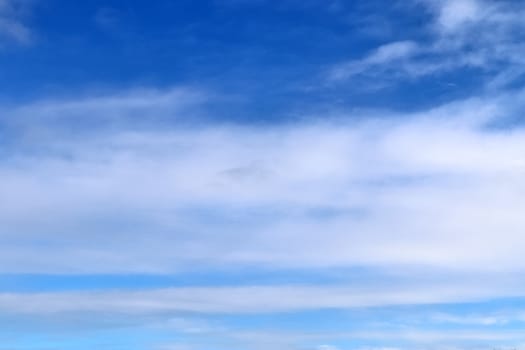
(182, 313)
(251, 299)
(149, 213)
(392, 53)
(463, 34)
(12, 25)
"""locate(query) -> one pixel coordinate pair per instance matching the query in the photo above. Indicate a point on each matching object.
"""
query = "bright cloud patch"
(440, 188)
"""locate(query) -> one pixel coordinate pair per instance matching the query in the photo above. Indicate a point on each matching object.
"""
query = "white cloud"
(432, 199)
(252, 299)
(484, 320)
(473, 34)
(154, 310)
(327, 347)
(428, 189)
(453, 14)
(388, 54)
(417, 339)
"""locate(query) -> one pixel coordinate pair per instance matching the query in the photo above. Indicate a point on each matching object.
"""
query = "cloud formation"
(12, 26)
(440, 188)
(464, 34)
(145, 212)
(258, 299)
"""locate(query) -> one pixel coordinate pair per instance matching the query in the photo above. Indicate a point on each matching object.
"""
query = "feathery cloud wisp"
(12, 26)
(463, 34)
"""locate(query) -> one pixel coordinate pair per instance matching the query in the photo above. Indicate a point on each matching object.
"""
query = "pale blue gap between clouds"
(429, 201)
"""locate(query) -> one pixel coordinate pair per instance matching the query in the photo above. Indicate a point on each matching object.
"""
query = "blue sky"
(255, 174)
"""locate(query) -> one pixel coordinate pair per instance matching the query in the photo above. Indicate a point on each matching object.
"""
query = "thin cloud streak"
(249, 299)
(12, 26)
(463, 34)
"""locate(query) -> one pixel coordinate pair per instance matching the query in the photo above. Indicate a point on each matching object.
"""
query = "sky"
(262, 175)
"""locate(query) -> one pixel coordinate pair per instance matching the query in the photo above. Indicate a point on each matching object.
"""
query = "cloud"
(410, 339)
(149, 199)
(134, 182)
(485, 320)
(146, 181)
(192, 314)
(455, 14)
(167, 310)
(326, 347)
(391, 53)
(12, 26)
(463, 34)
(249, 299)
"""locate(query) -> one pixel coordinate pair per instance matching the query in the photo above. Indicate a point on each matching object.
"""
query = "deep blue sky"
(268, 57)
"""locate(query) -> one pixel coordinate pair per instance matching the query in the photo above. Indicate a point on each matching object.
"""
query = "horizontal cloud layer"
(441, 188)
(256, 299)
